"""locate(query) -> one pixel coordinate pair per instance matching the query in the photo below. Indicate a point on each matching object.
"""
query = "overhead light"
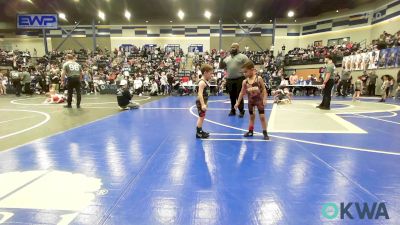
(76, 0)
(102, 15)
(62, 16)
(147, 21)
(290, 13)
(249, 14)
(30, 1)
(127, 15)
(181, 14)
(207, 14)
(337, 11)
(170, 21)
(270, 21)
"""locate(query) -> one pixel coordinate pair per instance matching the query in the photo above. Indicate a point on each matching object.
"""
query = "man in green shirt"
(26, 80)
(328, 83)
(72, 73)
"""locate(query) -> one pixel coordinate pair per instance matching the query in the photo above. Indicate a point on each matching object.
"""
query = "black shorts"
(200, 111)
(358, 90)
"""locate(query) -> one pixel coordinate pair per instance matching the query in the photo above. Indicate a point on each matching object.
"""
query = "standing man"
(344, 84)
(26, 80)
(73, 72)
(16, 80)
(372, 83)
(327, 84)
(234, 80)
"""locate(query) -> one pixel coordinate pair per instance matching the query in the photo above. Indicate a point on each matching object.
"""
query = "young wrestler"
(202, 98)
(54, 98)
(254, 87)
(124, 97)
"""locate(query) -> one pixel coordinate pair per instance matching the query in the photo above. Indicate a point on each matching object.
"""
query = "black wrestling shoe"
(249, 134)
(78, 106)
(266, 137)
(324, 108)
(241, 115)
(67, 106)
(232, 113)
(202, 135)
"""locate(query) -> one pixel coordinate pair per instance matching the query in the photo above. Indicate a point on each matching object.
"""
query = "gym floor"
(98, 165)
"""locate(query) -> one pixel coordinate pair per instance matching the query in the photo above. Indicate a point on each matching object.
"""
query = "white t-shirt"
(137, 84)
(284, 82)
(164, 80)
(154, 87)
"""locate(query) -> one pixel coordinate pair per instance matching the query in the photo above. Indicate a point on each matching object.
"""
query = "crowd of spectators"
(315, 54)
(157, 71)
(152, 71)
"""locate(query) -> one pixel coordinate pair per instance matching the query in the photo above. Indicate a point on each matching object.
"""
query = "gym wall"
(263, 42)
(23, 43)
(364, 23)
(184, 42)
(86, 42)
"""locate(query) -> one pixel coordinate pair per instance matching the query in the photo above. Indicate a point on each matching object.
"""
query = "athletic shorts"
(200, 111)
(256, 102)
(358, 90)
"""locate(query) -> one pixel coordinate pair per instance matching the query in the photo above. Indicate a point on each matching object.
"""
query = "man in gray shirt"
(233, 64)
(344, 84)
(371, 83)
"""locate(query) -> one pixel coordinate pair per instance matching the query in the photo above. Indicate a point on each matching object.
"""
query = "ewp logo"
(37, 21)
(364, 211)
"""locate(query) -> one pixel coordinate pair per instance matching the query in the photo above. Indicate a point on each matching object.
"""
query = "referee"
(328, 84)
(72, 71)
(233, 64)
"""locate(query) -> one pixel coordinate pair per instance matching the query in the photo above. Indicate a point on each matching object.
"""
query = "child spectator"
(154, 88)
(385, 88)
(2, 85)
(357, 89)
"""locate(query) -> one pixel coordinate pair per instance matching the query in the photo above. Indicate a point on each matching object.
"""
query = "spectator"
(138, 86)
(357, 89)
(2, 85)
(385, 88)
(371, 83)
(344, 83)
(26, 80)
